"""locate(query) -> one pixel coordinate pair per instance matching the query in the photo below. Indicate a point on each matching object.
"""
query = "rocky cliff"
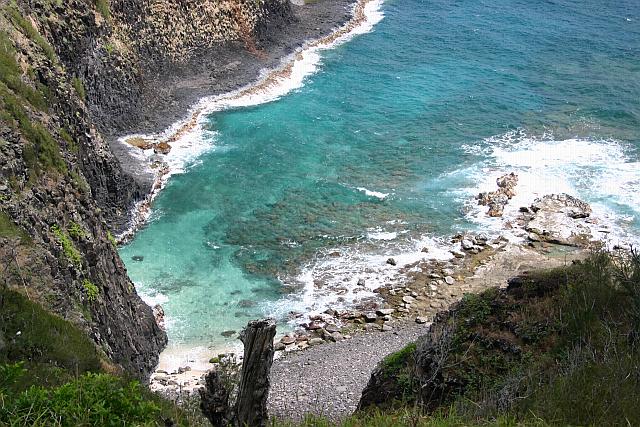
(69, 70)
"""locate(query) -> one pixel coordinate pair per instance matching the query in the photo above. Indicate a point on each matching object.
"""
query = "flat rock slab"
(328, 379)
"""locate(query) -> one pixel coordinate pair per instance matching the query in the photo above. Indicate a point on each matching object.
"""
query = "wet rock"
(162, 148)
(391, 261)
(467, 244)
(228, 334)
(385, 311)
(183, 369)
(361, 282)
(312, 326)
(137, 258)
(497, 200)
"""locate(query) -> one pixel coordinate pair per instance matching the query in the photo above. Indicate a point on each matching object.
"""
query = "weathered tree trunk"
(250, 408)
(251, 405)
(214, 400)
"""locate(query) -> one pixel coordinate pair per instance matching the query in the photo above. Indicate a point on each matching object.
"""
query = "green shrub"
(92, 399)
(69, 250)
(112, 239)
(91, 290)
(76, 231)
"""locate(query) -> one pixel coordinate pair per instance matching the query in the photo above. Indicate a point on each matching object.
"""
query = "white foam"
(339, 282)
(371, 193)
(272, 85)
(597, 171)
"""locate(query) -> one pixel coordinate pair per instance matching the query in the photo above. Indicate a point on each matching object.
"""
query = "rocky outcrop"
(559, 218)
(59, 183)
(497, 200)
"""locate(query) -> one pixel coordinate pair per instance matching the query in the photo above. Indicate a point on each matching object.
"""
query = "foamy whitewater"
(289, 196)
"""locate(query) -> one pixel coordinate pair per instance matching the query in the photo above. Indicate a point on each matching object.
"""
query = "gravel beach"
(327, 379)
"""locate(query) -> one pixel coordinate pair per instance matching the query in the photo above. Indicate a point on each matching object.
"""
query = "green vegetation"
(112, 239)
(51, 374)
(28, 30)
(104, 8)
(51, 348)
(91, 290)
(109, 47)
(559, 347)
(76, 231)
(70, 252)
(43, 153)
(79, 87)
(9, 229)
(10, 75)
(71, 144)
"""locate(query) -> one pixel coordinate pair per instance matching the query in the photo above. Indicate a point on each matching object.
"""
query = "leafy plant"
(91, 290)
(69, 250)
(76, 231)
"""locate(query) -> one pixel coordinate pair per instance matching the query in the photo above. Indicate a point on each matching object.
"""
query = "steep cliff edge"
(67, 71)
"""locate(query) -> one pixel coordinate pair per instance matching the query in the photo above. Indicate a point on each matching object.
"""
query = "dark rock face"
(79, 72)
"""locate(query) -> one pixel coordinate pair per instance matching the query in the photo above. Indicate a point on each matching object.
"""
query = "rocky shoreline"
(328, 358)
(171, 93)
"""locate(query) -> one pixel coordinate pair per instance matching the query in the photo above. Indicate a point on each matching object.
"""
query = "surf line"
(365, 14)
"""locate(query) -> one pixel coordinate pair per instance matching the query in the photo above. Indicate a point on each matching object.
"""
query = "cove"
(382, 150)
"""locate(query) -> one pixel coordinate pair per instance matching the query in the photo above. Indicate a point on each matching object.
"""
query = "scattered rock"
(137, 258)
(497, 200)
(422, 320)
(286, 340)
(316, 341)
(370, 317)
(449, 280)
(227, 334)
(391, 261)
(385, 311)
(408, 299)
(162, 148)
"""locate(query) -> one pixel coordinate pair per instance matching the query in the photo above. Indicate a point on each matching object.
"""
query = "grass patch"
(29, 30)
(9, 229)
(70, 252)
(104, 8)
(43, 152)
(51, 348)
(79, 87)
(10, 74)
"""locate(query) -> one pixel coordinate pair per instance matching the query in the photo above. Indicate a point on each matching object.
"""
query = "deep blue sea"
(382, 150)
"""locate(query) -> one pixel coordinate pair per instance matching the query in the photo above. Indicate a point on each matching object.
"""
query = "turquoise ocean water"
(382, 150)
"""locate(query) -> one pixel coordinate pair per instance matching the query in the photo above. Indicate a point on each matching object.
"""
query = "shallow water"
(382, 150)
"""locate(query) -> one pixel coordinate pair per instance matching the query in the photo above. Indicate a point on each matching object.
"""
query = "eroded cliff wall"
(66, 66)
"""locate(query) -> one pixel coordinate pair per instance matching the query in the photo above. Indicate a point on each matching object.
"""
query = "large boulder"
(559, 218)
